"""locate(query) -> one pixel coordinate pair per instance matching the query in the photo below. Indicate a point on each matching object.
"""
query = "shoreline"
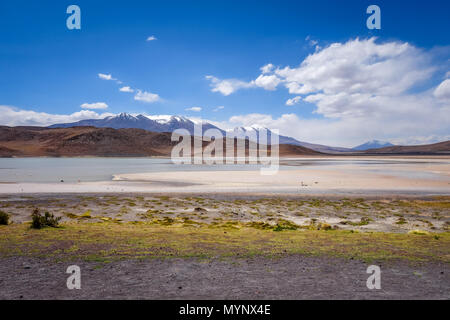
(305, 175)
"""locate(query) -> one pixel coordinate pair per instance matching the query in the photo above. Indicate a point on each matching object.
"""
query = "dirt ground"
(292, 277)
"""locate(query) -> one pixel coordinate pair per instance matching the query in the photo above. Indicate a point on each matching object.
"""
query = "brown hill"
(91, 141)
(435, 148)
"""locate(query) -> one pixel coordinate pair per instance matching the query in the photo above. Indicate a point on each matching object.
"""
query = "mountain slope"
(435, 148)
(374, 144)
(92, 141)
(82, 141)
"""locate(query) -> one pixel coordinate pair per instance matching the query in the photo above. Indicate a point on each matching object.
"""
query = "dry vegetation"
(111, 227)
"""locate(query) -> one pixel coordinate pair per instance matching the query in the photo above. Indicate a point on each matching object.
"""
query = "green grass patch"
(167, 237)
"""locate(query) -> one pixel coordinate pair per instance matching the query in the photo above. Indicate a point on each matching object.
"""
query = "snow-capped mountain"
(168, 123)
(374, 144)
(160, 123)
(249, 132)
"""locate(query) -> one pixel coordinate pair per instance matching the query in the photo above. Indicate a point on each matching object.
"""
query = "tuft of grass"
(363, 222)
(71, 215)
(314, 225)
(285, 225)
(419, 232)
(4, 218)
(260, 225)
(86, 215)
(41, 221)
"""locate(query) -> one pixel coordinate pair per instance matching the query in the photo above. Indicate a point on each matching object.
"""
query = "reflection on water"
(102, 169)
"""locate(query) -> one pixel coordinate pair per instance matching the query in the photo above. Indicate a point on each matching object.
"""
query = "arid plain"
(236, 233)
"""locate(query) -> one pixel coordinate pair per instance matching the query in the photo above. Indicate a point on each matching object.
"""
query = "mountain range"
(162, 123)
(103, 142)
(130, 142)
(167, 124)
(149, 123)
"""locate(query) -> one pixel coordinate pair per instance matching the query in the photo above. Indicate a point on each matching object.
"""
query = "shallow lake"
(47, 170)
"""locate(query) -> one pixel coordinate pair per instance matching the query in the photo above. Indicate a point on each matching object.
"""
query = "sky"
(311, 69)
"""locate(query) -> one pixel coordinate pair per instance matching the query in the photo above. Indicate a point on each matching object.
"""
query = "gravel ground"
(290, 277)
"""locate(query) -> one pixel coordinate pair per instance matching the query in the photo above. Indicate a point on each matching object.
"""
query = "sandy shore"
(296, 181)
(292, 181)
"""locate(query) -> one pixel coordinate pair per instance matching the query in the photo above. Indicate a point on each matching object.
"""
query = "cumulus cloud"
(12, 116)
(96, 105)
(126, 89)
(151, 38)
(353, 77)
(195, 109)
(147, 97)
(104, 76)
(218, 108)
(361, 89)
(268, 82)
(227, 86)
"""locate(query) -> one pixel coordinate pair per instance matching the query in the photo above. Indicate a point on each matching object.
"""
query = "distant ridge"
(374, 144)
(435, 148)
(167, 123)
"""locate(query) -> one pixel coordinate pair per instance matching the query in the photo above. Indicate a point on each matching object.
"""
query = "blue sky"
(46, 68)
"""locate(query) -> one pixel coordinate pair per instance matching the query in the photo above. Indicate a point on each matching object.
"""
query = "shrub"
(40, 221)
(314, 225)
(285, 225)
(4, 218)
(419, 232)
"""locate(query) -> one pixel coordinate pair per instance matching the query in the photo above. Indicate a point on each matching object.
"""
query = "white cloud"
(126, 89)
(104, 76)
(443, 90)
(151, 38)
(195, 109)
(267, 68)
(295, 100)
(360, 66)
(362, 90)
(11, 116)
(267, 82)
(147, 97)
(96, 105)
(313, 43)
(227, 86)
(218, 108)
(346, 132)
